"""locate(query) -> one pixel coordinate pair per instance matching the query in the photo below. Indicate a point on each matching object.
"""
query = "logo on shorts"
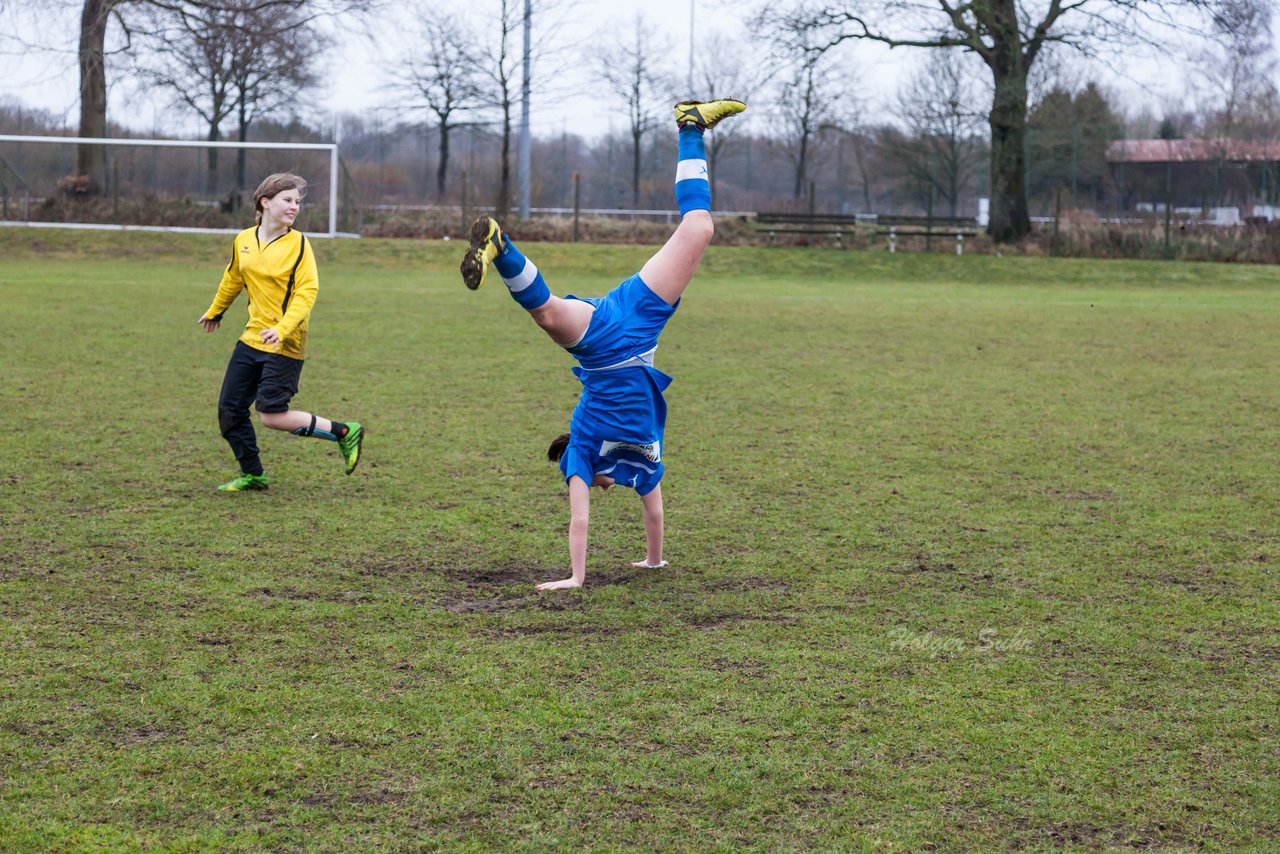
(651, 451)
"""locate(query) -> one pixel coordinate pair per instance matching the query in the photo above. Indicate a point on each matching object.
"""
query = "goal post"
(37, 180)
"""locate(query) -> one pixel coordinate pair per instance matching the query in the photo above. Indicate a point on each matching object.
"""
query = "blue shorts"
(619, 423)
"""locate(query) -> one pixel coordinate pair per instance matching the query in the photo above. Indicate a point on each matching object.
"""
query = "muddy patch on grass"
(147, 735)
(943, 574)
(497, 588)
(291, 594)
(746, 584)
(391, 567)
(922, 563)
(1198, 579)
(496, 575)
(579, 631)
(711, 621)
(378, 796)
(1091, 835)
(478, 603)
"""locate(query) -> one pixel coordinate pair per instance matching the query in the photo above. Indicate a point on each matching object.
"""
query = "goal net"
(166, 184)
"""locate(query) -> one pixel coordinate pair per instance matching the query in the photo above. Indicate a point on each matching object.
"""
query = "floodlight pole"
(690, 93)
(526, 143)
(333, 174)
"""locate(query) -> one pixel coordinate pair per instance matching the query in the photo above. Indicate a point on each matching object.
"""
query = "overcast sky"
(48, 79)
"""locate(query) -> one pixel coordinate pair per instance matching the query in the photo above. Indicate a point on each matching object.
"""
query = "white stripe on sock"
(686, 169)
(518, 283)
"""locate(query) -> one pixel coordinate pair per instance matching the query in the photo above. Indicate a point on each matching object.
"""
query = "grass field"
(973, 553)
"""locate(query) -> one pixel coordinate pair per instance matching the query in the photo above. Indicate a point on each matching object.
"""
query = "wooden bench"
(894, 227)
(841, 226)
(837, 226)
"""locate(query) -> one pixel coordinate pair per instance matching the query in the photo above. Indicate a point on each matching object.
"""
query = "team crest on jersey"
(651, 451)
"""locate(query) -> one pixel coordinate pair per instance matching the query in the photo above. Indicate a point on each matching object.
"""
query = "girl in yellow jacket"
(274, 263)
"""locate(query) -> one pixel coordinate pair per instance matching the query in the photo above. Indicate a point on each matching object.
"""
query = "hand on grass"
(644, 564)
(563, 584)
(208, 323)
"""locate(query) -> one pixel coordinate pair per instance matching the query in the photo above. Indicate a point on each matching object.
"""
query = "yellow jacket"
(282, 283)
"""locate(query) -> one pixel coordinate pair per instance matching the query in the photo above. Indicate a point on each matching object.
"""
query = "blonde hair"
(272, 186)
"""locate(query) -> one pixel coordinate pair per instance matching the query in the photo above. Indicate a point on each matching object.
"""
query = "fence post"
(1057, 218)
(959, 243)
(893, 239)
(115, 190)
(464, 202)
(577, 204)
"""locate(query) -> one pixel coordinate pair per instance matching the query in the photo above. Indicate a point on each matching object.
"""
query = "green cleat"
(706, 114)
(486, 244)
(246, 482)
(349, 445)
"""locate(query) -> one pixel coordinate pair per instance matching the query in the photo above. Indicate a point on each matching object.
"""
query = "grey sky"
(48, 80)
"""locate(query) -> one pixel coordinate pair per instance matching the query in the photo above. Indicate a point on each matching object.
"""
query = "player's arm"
(579, 516)
(653, 526)
(306, 286)
(230, 287)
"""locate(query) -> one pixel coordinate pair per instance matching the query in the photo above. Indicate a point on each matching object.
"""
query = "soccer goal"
(167, 184)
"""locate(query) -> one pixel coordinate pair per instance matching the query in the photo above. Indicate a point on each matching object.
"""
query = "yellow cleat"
(486, 244)
(705, 114)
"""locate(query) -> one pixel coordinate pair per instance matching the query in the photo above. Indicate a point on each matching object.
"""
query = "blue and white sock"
(521, 276)
(693, 190)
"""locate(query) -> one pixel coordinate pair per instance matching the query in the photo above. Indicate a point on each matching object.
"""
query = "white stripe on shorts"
(645, 358)
(686, 169)
(518, 283)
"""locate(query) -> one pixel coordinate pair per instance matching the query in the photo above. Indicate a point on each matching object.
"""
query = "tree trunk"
(504, 184)
(953, 176)
(91, 160)
(1010, 220)
(442, 170)
(242, 155)
(635, 169)
(211, 163)
(801, 164)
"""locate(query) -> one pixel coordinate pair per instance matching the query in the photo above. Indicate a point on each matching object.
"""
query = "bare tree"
(1009, 36)
(275, 58)
(626, 70)
(724, 71)
(500, 59)
(437, 69)
(239, 59)
(191, 56)
(95, 20)
(865, 161)
(810, 81)
(940, 151)
(1236, 68)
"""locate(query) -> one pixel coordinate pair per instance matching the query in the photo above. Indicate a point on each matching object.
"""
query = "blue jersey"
(618, 426)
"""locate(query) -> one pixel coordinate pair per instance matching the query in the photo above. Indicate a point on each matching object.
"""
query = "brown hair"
(274, 185)
(558, 444)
